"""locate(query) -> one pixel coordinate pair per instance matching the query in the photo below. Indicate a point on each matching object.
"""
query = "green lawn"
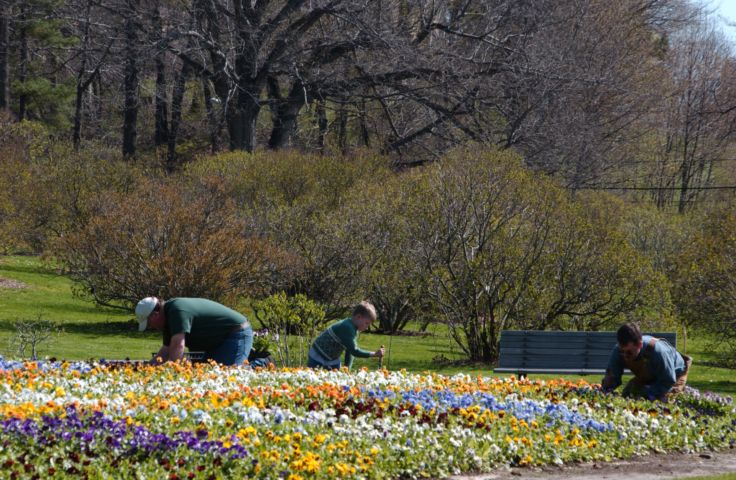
(92, 332)
(89, 331)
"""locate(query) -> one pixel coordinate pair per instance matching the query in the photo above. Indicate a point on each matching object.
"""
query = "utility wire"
(713, 187)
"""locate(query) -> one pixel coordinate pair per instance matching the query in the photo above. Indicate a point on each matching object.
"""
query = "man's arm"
(613, 373)
(176, 347)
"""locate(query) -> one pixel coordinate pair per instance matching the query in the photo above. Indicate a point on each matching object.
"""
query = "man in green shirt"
(342, 337)
(223, 334)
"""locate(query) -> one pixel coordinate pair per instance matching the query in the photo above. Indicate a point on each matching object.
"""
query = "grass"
(89, 331)
(93, 332)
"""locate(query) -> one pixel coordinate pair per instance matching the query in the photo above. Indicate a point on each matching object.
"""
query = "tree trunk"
(176, 102)
(247, 102)
(23, 70)
(130, 82)
(365, 136)
(684, 339)
(242, 121)
(81, 85)
(161, 134)
(77, 133)
(211, 117)
(284, 113)
(342, 129)
(684, 186)
(4, 74)
(206, 15)
(321, 125)
(98, 91)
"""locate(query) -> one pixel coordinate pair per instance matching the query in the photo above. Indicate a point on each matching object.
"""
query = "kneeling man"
(660, 371)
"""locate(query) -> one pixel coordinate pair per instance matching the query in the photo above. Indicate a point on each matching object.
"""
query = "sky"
(727, 9)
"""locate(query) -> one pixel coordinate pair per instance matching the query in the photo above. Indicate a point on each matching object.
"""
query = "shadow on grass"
(88, 308)
(125, 328)
(53, 308)
(36, 269)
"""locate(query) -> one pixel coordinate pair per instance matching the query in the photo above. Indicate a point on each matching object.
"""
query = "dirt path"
(11, 284)
(650, 467)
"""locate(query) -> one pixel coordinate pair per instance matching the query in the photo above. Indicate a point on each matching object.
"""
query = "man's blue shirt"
(665, 365)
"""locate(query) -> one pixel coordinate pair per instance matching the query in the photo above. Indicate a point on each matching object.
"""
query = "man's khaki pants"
(679, 385)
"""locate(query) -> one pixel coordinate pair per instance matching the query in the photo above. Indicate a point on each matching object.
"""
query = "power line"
(713, 187)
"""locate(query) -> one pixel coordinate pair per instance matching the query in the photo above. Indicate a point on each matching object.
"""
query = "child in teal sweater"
(343, 336)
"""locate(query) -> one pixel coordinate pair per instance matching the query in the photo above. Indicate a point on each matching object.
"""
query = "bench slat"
(570, 371)
(545, 351)
(548, 362)
(530, 351)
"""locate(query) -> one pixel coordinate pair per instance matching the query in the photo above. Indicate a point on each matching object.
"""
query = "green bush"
(704, 285)
(292, 322)
(296, 315)
(19, 144)
(390, 276)
(504, 248)
(299, 202)
(289, 177)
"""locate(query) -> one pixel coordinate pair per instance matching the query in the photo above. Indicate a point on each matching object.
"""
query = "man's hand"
(380, 352)
(161, 356)
(607, 384)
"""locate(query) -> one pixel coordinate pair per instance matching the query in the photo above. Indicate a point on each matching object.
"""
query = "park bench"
(579, 353)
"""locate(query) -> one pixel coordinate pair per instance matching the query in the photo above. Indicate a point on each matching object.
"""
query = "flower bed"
(202, 421)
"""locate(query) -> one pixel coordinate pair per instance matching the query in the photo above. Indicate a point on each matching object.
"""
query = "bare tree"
(92, 57)
(699, 111)
(245, 42)
(32, 334)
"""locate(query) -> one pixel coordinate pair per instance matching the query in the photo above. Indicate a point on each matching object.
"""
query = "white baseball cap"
(144, 308)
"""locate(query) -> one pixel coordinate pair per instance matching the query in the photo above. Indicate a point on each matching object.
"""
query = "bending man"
(660, 371)
(199, 324)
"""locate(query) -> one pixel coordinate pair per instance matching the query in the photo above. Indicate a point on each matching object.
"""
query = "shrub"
(262, 343)
(591, 277)
(299, 202)
(391, 278)
(290, 320)
(166, 241)
(704, 285)
(49, 190)
(505, 248)
(19, 142)
(290, 177)
(296, 315)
